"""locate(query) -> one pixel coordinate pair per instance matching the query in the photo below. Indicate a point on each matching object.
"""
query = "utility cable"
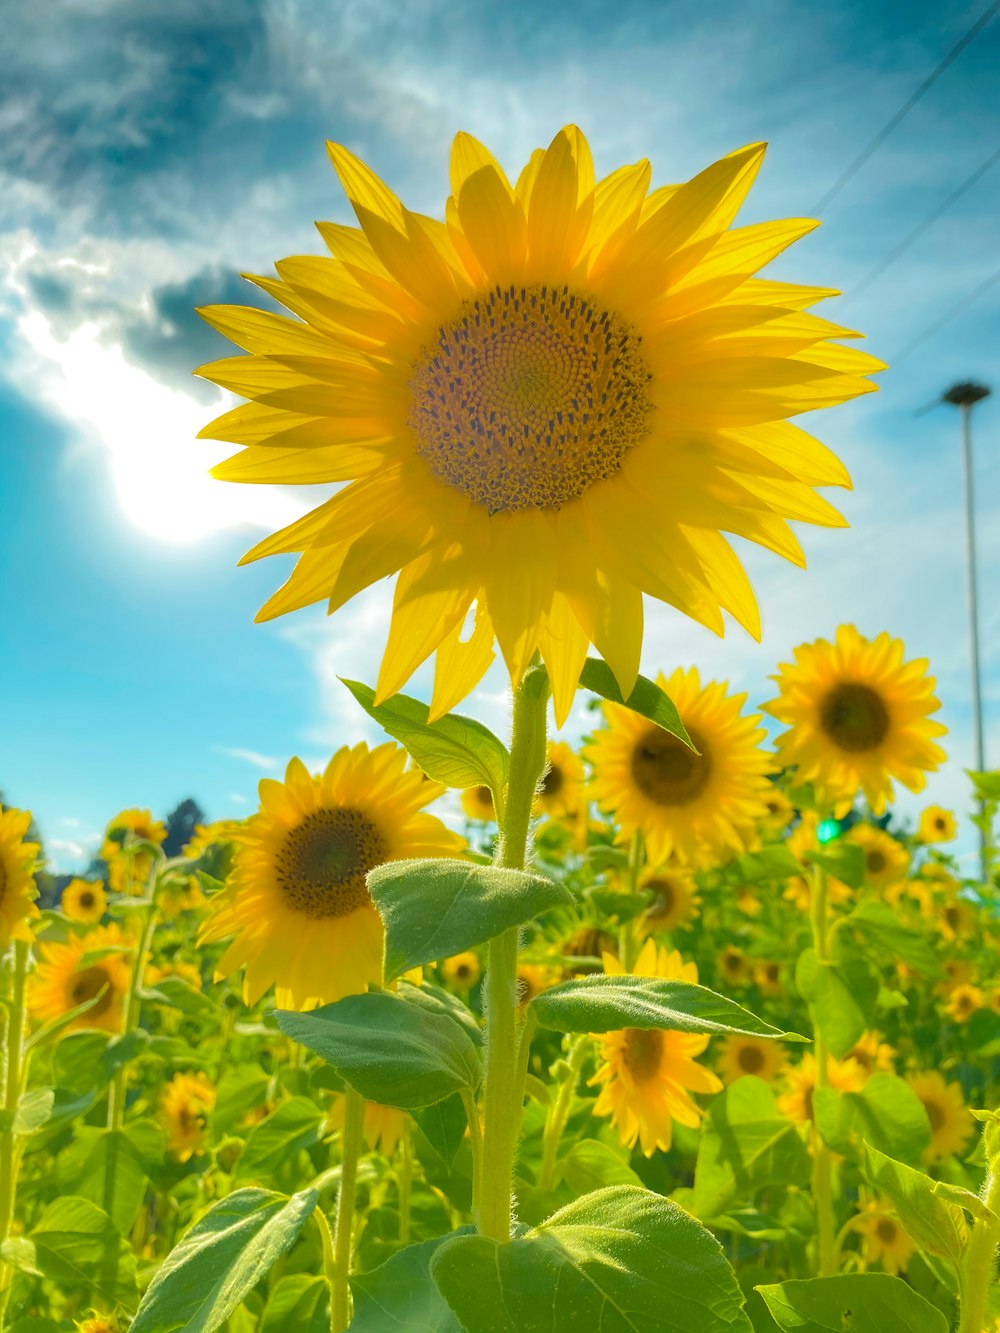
(946, 318)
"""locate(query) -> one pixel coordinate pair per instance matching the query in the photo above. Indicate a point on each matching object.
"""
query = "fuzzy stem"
(980, 1256)
(350, 1150)
(12, 1085)
(822, 1174)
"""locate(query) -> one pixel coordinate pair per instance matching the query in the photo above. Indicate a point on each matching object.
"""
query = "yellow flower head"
(964, 1001)
(461, 971)
(647, 1074)
(84, 900)
(885, 1241)
(740, 1056)
(858, 716)
(561, 789)
(780, 811)
(769, 977)
(552, 401)
(700, 808)
(477, 802)
(99, 1323)
(873, 1054)
(532, 979)
(675, 899)
(176, 967)
(207, 835)
(956, 918)
(797, 1103)
(886, 859)
(66, 977)
(184, 1107)
(17, 882)
(297, 902)
(951, 1123)
(937, 825)
(132, 826)
(734, 967)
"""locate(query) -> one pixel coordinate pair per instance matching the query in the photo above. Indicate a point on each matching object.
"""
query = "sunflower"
(885, 1241)
(532, 979)
(858, 716)
(873, 1054)
(179, 894)
(734, 967)
(951, 1122)
(547, 404)
(184, 1107)
(956, 918)
(769, 977)
(675, 899)
(84, 900)
(964, 1001)
(747, 902)
(128, 870)
(208, 835)
(797, 1103)
(937, 825)
(561, 789)
(701, 807)
(462, 971)
(477, 802)
(740, 1056)
(65, 978)
(382, 1126)
(17, 882)
(99, 1323)
(588, 943)
(297, 901)
(647, 1074)
(886, 859)
(780, 811)
(175, 967)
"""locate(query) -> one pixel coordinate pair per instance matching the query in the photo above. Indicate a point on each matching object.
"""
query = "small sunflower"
(780, 811)
(964, 1001)
(647, 1074)
(462, 971)
(297, 902)
(700, 808)
(937, 825)
(873, 1054)
(746, 900)
(588, 943)
(858, 716)
(886, 859)
(560, 792)
(797, 1103)
(184, 1108)
(176, 967)
(956, 918)
(734, 967)
(128, 870)
(208, 835)
(740, 1056)
(532, 979)
(885, 1241)
(17, 882)
(555, 399)
(477, 802)
(84, 900)
(64, 979)
(769, 976)
(951, 1122)
(675, 899)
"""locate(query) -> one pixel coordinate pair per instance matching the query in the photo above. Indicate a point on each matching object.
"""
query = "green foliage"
(76, 1245)
(880, 928)
(886, 1113)
(860, 1302)
(298, 1302)
(293, 1126)
(841, 993)
(401, 1295)
(932, 1222)
(646, 698)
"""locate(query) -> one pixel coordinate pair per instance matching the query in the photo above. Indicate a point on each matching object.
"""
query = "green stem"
(350, 1151)
(404, 1181)
(12, 1085)
(980, 1258)
(556, 1122)
(503, 1095)
(822, 1174)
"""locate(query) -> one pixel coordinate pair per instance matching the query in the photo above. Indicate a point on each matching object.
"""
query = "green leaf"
(435, 908)
(886, 1113)
(860, 1302)
(33, 1109)
(389, 1047)
(455, 750)
(75, 1244)
(241, 1090)
(623, 1260)
(963, 1198)
(769, 864)
(298, 1302)
(182, 996)
(987, 785)
(646, 698)
(221, 1259)
(442, 1003)
(842, 993)
(843, 860)
(443, 1126)
(880, 927)
(76, 1061)
(746, 1144)
(607, 1003)
(293, 1126)
(400, 1296)
(83, 1169)
(931, 1222)
(591, 1165)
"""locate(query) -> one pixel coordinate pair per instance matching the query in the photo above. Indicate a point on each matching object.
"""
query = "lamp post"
(964, 396)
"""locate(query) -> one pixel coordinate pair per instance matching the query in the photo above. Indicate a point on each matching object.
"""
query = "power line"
(928, 221)
(947, 317)
(908, 106)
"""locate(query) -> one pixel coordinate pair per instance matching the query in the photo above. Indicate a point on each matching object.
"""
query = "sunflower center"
(952, 916)
(321, 865)
(750, 1059)
(662, 906)
(484, 796)
(876, 862)
(939, 824)
(530, 396)
(87, 985)
(936, 1115)
(885, 1229)
(86, 901)
(553, 781)
(855, 717)
(643, 1052)
(666, 771)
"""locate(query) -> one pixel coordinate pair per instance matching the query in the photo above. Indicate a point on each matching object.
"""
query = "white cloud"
(265, 761)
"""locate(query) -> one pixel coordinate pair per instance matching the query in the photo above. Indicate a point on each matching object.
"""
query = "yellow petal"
(431, 600)
(461, 663)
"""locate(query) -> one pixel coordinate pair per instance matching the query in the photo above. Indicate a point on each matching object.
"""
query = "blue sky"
(150, 153)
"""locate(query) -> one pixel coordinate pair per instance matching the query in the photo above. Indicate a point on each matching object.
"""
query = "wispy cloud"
(266, 762)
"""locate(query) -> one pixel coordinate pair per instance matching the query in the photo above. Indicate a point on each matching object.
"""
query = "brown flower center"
(666, 771)
(936, 1115)
(751, 1059)
(321, 865)
(854, 717)
(86, 901)
(665, 903)
(886, 1230)
(643, 1052)
(553, 781)
(876, 862)
(87, 985)
(484, 796)
(530, 396)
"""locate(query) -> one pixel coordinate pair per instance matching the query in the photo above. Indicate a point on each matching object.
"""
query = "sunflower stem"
(13, 1082)
(822, 1175)
(343, 1234)
(980, 1256)
(404, 1182)
(504, 1091)
(556, 1122)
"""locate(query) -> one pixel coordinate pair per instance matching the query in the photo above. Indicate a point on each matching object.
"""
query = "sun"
(551, 402)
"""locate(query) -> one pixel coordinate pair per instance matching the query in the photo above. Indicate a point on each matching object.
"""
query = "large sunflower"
(699, 807)
(17, 882)
(647, 1074)
(549, 403)
(297, 901)
(65, 978)
(859, 716)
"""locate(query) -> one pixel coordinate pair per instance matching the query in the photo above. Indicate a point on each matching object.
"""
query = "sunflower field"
(686, 1030)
